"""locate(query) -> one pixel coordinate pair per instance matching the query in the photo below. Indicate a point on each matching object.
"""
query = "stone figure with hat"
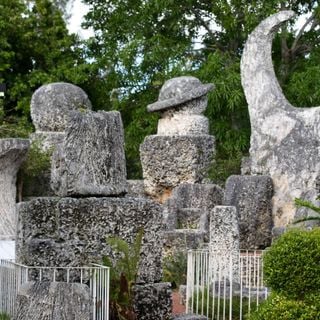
(182, 150)
(181, 102)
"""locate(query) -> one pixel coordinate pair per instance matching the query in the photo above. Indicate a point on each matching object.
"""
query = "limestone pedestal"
(73, 231)
(168, 161)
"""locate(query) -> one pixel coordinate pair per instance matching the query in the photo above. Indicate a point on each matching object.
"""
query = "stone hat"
(179, 90)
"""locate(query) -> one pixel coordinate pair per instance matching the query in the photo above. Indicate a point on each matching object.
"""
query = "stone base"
(153, 301)
(53, 301)
(73, 232)
(168, 161)
(252, 196)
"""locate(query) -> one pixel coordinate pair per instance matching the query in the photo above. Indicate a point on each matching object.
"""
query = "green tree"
(36, 49)
(140, 44)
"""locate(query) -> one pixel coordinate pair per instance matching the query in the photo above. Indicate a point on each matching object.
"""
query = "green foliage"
(140, 44)
(291, 265)
(123, 275)
(218, 308)
(223, 167)
(175, 269)
(278, 306)
(14, 127)
(4, 316)
(36, 48)
(37, 162)
(307, 204)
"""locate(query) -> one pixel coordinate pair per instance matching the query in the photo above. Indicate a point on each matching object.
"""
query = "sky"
(78, 10)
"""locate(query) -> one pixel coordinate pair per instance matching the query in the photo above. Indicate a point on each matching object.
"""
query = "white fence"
(13, 276)
(223, 285)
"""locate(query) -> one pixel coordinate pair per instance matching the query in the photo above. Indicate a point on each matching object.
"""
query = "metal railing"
(224, 285)
(96, 277)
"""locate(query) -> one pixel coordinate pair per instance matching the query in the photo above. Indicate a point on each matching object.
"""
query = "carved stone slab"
(91, 159)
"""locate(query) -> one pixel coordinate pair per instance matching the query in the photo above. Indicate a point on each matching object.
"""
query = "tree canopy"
(139, 44)
(36, 48)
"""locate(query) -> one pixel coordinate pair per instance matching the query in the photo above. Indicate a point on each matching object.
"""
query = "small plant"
(123, 275)
(175, 269)
(37, 163)
(307, 204)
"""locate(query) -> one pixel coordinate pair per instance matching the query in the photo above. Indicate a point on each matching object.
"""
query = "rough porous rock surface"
(153, 301)
(91, 160)
(51, 103)
(284, 140)
(12, 153)
(196, 195)
(73, 232)
(53, 301)
(135, 189)
(224, 229)
(183, 124)
(224, 240)
(252, 196)
(183, 239)
(168, 161)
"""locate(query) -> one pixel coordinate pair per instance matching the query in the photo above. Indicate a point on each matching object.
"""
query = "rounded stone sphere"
(51, 103)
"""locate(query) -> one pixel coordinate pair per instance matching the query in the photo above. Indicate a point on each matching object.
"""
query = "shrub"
(292, 264)
(219, 308)
(280, 307)
(4, 316)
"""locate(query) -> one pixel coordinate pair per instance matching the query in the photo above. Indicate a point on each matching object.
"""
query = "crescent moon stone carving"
(285, 140)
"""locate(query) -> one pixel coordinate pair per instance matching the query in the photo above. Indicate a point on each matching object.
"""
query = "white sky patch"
(77, 11)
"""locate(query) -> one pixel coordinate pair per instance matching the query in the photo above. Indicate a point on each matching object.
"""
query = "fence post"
(190, 281)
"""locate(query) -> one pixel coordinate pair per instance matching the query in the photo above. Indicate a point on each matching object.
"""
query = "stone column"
(224, 242)
(12, 154)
